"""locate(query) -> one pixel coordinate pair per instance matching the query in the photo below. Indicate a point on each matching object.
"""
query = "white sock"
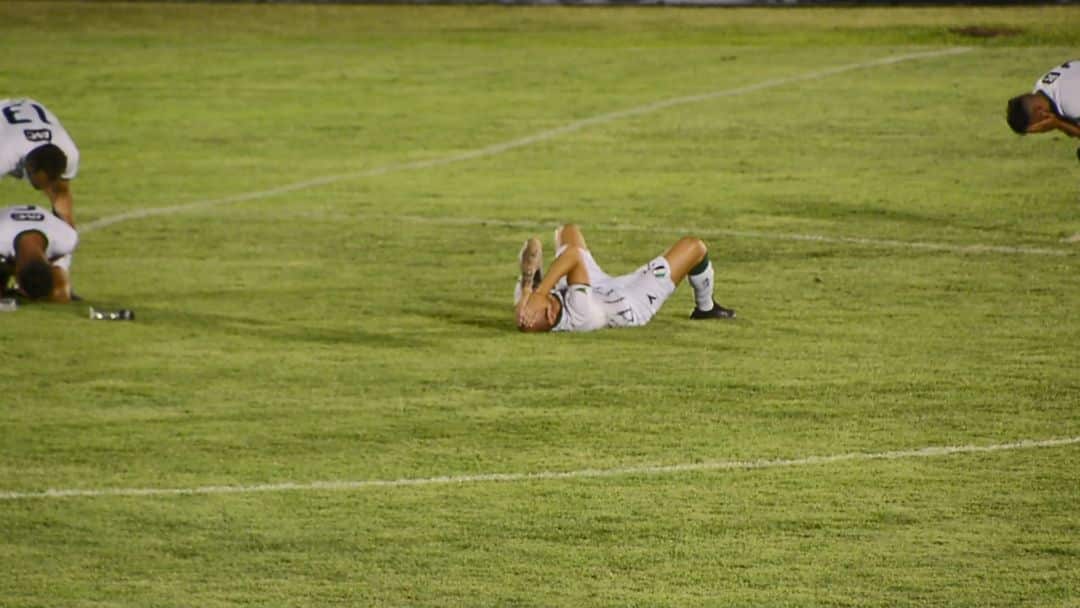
(702, 283)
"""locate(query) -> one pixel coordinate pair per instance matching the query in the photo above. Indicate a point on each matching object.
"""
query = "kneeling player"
(1054, 104)
(577, 295)
(35, 248)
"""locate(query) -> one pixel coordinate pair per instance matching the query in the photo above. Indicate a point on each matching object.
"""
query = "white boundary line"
(496, 149)
(722, 465)
(776, 236)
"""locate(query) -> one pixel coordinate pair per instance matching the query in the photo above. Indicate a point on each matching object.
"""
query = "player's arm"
(1069, 128)
(533, 303)
(1055, 123)
(1042, 126)
(568, 265)
(59, 193)
(61, 286)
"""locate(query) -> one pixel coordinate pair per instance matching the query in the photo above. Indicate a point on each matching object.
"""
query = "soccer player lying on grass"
(1053, 105)
(35, 247)
(577, 295)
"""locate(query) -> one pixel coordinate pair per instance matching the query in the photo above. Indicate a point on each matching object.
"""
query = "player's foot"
(716, 312)
(532, 263)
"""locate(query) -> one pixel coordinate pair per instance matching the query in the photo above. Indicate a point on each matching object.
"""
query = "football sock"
(701, 280)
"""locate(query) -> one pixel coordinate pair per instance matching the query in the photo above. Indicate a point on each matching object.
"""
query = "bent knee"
(695, 245)
(569, 234)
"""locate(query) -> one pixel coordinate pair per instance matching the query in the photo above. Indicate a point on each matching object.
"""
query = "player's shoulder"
(24, 213)
(1069, 70)
(19, 101)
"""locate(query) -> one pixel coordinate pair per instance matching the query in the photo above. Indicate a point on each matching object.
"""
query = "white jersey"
(1062, 86)
(62, 238)
(26, 124)
(629, 300)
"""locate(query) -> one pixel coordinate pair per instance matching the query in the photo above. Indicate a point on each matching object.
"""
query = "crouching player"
(1054, 104)
(577, 295)
(35, 249)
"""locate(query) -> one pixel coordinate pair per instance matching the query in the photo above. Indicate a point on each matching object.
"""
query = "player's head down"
(1023, 110)
(32, 268)
(47, 162)
(544, 322)
(35, 278)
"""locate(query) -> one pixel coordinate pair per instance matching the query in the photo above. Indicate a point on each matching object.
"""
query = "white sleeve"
(63, 262)
(62, 238)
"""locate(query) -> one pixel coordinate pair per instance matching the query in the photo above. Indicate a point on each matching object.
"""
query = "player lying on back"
(35, 249)
(577, 295)
(1053, 105)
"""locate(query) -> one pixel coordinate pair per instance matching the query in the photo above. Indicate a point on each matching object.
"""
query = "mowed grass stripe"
(500, 148)
(723, 465)
(960, 248)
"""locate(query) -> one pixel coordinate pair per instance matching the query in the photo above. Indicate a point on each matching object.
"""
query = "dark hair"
(1017, 115)
(35, 278)
(47, 158)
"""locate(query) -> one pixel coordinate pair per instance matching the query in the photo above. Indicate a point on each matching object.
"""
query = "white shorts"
(632, 299)
(646, 289)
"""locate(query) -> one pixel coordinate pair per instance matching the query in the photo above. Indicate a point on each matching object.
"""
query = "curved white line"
(776, 236)
(722, 465)
(500, 148)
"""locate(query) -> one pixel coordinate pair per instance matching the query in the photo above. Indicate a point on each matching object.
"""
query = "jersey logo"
(652, 298)
(622, 318)
(28, 216)
(38, 134)
(1051, 77)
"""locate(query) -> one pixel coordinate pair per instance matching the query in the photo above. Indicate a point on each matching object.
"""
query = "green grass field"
(315, 213)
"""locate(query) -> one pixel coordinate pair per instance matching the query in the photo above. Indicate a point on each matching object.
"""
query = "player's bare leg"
(689, 258)
(687, 253)
(569, 235)
(568, 240)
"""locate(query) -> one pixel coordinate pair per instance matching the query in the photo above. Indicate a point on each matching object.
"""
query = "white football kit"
(629, 300)
(62, 238)
(26, 124)
(1062, 86)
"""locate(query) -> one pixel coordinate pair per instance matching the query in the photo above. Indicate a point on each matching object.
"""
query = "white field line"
(496, 149)
(776, 236)
(722, 465)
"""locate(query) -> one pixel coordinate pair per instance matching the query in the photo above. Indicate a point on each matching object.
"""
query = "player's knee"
(569, 234)
(571, 251)
(695, 245)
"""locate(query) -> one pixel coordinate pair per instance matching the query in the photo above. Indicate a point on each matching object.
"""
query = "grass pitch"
(333, 199)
